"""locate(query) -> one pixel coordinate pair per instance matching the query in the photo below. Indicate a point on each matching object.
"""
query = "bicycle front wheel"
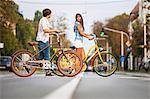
(54, 67)
(19, 63)
(105, 66)
(69, 63)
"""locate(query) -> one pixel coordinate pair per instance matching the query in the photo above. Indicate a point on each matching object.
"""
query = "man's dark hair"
(46, 12)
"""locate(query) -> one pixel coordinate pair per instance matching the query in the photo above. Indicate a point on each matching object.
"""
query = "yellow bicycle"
(103, 62)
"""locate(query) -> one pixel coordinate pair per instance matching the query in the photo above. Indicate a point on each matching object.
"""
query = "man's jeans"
(45, 54)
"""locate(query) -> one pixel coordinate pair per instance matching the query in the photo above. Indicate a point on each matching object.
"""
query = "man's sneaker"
(49, 74)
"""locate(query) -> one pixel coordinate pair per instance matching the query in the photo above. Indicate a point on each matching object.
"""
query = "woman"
(79, 34)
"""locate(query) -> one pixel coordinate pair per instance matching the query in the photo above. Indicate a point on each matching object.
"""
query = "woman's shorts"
(78, 43)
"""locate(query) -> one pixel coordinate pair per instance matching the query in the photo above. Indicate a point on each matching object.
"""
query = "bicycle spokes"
(105, 67)
(69, 63)
(20, 64)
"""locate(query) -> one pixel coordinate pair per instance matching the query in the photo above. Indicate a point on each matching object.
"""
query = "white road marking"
(137, 78)
(66, 91)
(13, 76)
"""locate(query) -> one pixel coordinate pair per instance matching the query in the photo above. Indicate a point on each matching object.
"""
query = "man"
(43, 34)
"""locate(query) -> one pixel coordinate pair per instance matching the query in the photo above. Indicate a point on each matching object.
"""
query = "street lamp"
(122, 44)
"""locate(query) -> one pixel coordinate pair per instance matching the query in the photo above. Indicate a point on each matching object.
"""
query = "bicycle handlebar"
(57, 34)
(97, 38)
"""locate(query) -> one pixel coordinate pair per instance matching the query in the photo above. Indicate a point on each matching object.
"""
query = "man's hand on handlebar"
(57, 31)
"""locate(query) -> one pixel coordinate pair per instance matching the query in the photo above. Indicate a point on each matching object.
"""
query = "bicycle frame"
(57, 52)
(47, 47)
(94, 49)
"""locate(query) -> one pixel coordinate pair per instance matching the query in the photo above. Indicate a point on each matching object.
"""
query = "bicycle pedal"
(33, 64)
(71, 71)
(84, 67)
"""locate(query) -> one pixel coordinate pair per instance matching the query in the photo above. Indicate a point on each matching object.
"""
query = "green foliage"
(9, 15)
(11, 44)
(119, 22)
(9, 10)
(25, 32)
(37, 15)
(138, 38)
(97, 28)
(9, 19)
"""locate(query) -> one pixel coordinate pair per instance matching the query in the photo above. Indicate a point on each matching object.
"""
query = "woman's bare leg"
(81, 53)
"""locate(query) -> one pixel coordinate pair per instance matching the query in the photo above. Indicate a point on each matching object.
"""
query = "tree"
(37, 16)
(61, 24)
(119, 22)
(96, 29)
(138, 38)
(11, 44)
(25, 32)
(9, 16)
(9, 11)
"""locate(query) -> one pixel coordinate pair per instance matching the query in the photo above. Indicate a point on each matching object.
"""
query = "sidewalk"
(135, 74)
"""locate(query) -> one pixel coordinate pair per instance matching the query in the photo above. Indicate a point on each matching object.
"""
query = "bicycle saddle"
(32, 43)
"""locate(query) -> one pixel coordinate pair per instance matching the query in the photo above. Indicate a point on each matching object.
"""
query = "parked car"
(5, 62)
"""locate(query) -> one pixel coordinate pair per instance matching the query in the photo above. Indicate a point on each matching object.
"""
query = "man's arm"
(47, 30)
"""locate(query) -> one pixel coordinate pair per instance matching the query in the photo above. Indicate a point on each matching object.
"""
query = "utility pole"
(144, 11)
(122, 51)
(130, 60)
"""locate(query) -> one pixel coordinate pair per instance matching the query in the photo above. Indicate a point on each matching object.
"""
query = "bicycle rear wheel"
(19, 63)
(107, 67)
(69, 63)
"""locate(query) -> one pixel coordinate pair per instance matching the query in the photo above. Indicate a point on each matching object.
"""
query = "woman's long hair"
(81, 22)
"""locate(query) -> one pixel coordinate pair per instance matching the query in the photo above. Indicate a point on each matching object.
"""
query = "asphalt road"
(85, 86)
(113, 87)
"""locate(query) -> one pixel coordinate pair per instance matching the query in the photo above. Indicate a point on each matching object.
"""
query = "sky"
(91, 10)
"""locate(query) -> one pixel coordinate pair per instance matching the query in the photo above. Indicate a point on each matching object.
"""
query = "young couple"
(44, 30)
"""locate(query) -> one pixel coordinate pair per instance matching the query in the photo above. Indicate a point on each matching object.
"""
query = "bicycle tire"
(54, 67)
(69, 63)
(56, 71)
(107, 67)
(146, 67)
(22, 71)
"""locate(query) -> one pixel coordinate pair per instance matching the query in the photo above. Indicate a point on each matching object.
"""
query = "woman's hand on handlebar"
(90, 37)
